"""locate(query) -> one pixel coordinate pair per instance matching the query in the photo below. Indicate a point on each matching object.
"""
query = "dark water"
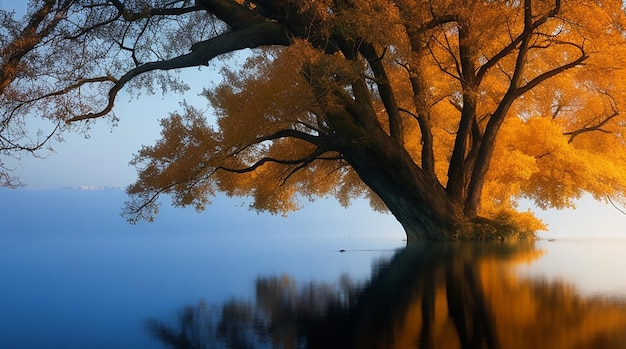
(73, 277)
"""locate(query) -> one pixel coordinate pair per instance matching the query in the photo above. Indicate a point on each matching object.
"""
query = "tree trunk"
(418, 201)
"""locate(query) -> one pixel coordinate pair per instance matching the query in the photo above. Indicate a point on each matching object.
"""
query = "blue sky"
(102, 158)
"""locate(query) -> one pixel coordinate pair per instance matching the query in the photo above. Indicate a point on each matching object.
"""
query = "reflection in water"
(430, 295)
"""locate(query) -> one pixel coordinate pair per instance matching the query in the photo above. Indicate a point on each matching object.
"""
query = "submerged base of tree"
(488, 229)
(481, 229)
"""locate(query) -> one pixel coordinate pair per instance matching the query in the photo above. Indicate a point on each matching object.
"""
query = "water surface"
(74, 275)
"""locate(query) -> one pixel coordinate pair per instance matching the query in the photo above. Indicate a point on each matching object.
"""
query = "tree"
(445, 113)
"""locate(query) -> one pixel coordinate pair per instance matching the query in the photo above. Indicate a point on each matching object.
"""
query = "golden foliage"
(561, 138)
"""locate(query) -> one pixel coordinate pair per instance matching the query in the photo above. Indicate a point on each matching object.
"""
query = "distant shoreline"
(83, 187)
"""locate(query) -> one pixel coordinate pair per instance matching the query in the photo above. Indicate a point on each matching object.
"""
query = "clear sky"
(103, 158)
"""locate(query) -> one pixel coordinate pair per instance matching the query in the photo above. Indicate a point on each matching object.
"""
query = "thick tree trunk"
(418, 201)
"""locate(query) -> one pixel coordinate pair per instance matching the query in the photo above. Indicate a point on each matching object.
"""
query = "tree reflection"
(430, 295)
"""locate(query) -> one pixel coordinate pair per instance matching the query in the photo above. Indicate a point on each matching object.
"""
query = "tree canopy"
(445, 113)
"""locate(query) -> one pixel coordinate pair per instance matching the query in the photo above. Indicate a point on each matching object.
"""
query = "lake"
(73, 274)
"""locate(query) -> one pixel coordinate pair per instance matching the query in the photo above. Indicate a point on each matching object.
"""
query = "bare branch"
(12, 146)
(615, 206)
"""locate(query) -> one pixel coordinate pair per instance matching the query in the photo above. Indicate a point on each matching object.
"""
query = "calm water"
(74, 275)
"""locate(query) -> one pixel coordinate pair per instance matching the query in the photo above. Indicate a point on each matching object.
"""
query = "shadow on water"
(429, 295)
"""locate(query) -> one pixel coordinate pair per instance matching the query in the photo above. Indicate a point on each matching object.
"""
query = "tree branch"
(516, 41)
(615, 206)
(236, 15)
(598, 126)
(134, 213)
(315, 140)
(385, 91)
(306, 161)
(12, 146)
(263, 33)
(485, 150)
(28, 39)
(301, 161)
(550, 73)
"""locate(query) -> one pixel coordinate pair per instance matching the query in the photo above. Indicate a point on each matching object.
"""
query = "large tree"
(444, 112)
